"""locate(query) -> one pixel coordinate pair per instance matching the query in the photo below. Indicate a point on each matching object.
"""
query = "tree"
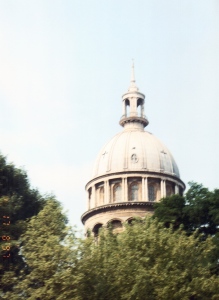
(18, 202)
(49, 249)
(197, 210)
(171, 211)
(147, 261)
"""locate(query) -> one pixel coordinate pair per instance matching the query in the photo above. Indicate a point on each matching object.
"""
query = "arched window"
(140, 107)
(134, 220)
(117, 193)
(130, 221)
(169, 190)
(134, 192)
(127, 108)
(96, 229)
(116, 226)
(151, 193)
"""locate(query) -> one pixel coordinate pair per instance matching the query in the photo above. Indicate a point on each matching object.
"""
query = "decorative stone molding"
(115, 206)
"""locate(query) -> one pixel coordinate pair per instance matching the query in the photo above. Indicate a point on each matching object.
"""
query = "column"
(161, 189)
(108, 191)
(88, 201)
(126, 190)
(176, 189)
(105, 192)
(164, 188)
(142, 189)
(146, 189)
(133, 106)
(123, 189)
(124, 108)
(94, 196)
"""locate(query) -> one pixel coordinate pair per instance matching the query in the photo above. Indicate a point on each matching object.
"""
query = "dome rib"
(109, 165)
(144, 166)
(126, 162)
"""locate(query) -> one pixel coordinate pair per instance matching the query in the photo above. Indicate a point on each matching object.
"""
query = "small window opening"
(134, 192)
(139, 107)
(169, 191)
(127, 108)
(117, 193)
(96, 229)
(151, 193)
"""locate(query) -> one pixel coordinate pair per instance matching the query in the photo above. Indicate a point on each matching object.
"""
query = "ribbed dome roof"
(134, 150)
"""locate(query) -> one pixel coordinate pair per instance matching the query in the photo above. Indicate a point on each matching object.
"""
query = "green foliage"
(173, 259)
(170, 211)
(147, 261)
(18, 202)
(48, 246)
(197, 210)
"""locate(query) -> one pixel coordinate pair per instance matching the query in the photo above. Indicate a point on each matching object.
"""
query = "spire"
(133, 107)
(133, 86)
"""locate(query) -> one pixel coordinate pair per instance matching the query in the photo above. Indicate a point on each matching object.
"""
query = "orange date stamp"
(6, 239)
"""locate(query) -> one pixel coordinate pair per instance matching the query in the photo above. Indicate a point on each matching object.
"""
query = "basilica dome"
(131, 172)
(134, 150)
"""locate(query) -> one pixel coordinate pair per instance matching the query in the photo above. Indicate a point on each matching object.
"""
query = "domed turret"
(133, 106)
(131, 172)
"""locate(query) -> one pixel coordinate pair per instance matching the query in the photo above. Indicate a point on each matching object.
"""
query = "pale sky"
(64, 66)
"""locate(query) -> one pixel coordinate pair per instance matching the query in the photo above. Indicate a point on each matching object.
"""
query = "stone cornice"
(134, 94)
(141, 120)
(113, 206)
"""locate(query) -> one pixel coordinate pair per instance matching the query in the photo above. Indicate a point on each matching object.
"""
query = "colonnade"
(124, 182)
(133, 106)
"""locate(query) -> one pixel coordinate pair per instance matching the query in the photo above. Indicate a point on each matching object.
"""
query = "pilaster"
(164, 188)
(142, 189)
(176, 189)
(105, 192)
(93, 196)
(126, 190)
(88, 201)
(161, 189)
(146, 189)
(123, 189)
